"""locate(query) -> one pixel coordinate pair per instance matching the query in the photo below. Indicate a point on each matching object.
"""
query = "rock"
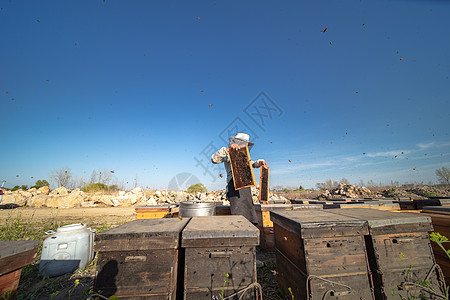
(14, 198)
(45, 190)
(73, 199)
(347, 191)
(151, 201)
(137, 190)
(38, 200)
(102, 200)
(25, 194)
(61, 191)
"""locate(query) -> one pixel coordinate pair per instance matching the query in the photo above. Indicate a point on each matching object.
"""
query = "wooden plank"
(241, 168)
(264, 185)
(16, 254)
(152, 215)
(219, 231)
(9, 283)
(306, 206)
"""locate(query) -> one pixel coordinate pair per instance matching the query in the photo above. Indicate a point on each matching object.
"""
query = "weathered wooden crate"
(321, 255)
(421, 203)
(399, 251)
(440, 218)
(220, 257)
(139, 259)
(406, 205)
(13, 256)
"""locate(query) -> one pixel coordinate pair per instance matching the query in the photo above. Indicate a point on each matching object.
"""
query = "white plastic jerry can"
(69, 248)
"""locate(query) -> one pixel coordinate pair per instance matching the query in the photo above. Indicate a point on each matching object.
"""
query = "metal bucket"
(193, 209)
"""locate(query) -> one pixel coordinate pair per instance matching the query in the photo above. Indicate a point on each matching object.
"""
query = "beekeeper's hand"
(233, 147)
(264, 164)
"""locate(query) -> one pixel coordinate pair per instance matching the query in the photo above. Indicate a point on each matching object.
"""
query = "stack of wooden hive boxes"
(171, 258)
(354, 254)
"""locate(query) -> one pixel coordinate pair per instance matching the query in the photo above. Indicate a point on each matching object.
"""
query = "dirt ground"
(108, 215)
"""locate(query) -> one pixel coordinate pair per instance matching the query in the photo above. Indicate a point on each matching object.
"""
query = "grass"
(76, 285)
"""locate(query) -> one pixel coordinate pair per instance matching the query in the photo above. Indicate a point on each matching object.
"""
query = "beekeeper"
(241, 202)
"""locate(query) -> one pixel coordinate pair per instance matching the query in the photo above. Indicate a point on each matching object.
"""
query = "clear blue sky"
(144, 88)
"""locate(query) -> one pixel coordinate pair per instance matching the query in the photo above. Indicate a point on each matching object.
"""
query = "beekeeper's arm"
(220, 156)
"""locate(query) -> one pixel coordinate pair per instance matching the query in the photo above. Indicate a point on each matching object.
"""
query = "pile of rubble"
(347, 191)
(65, 198)
(428, 191)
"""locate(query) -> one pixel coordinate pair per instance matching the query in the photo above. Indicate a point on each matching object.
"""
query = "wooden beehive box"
(399, 250)
(321, 255)
(13, 256)
(265, 225)
(241, 168)
(139, 259)
(155, 211)
(214, 247)
(440, 218)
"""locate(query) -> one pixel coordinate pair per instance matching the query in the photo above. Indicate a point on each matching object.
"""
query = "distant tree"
(196, 188)
(327, 185)
(62, 177)
(40, 183)
(371, 183)
(443, 175)
(94, 177)
(20, 187)
(100, 176)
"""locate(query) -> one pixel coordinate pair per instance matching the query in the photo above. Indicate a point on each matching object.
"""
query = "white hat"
(241, 137)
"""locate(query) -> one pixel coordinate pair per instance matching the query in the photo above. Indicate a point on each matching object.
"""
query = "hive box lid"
(318, 223)
(381, 221)
(219, 231)
(143, 234)
(16, 254)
